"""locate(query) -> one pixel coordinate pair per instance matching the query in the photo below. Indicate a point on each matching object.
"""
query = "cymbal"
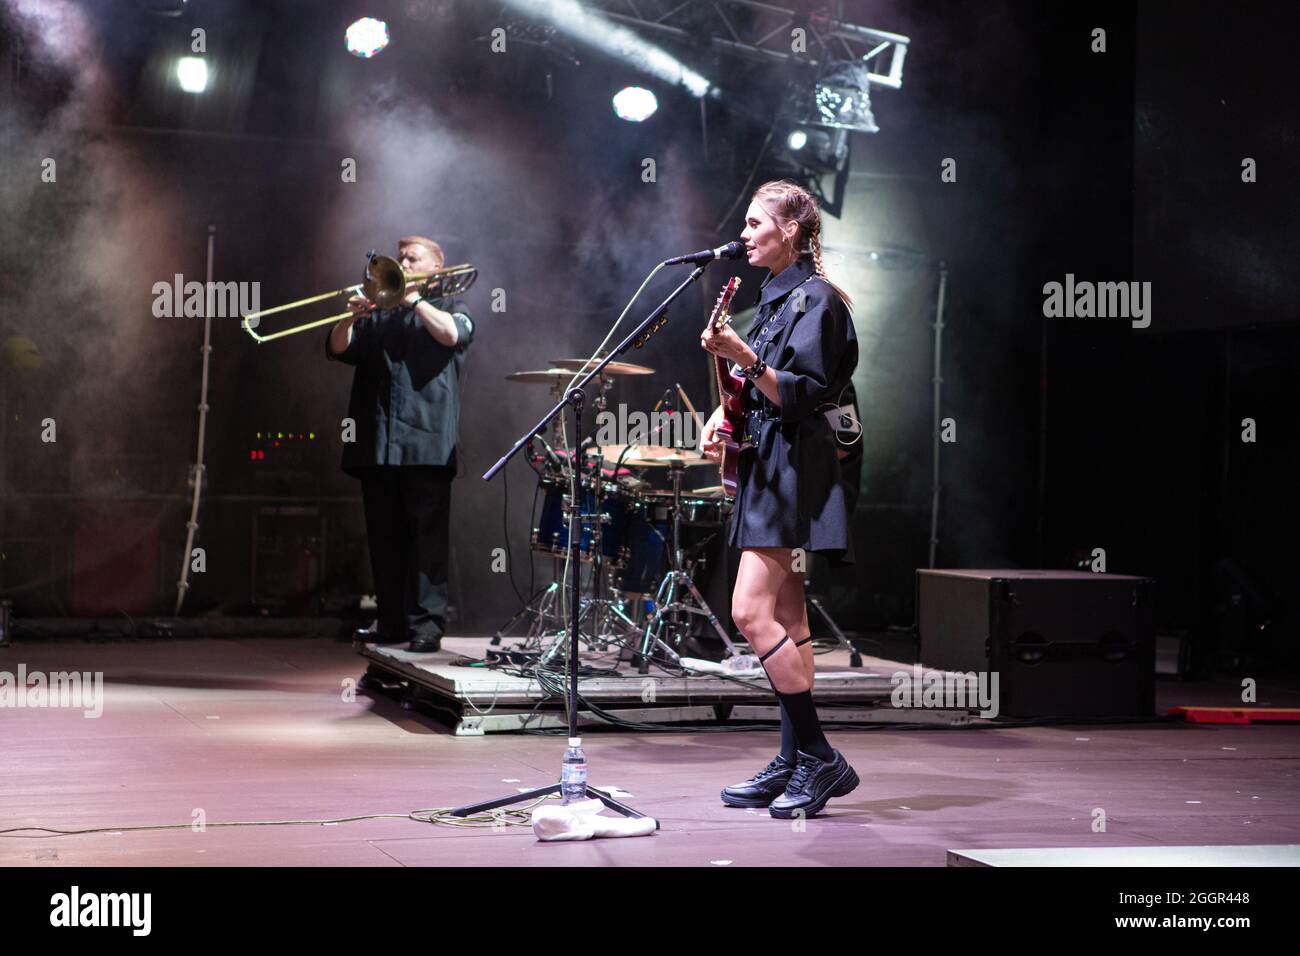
(550, 376)
(655, 456)
(613, 368)
(688, 459)
(611, 452)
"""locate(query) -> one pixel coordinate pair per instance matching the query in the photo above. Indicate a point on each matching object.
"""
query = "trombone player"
(405, 402)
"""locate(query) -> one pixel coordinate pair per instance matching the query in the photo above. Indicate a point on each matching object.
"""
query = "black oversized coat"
(789, 493)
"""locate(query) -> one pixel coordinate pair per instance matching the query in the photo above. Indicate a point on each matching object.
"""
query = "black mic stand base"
(602, 796)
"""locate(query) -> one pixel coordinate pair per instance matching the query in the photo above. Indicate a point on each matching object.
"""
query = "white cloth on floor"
(581, 821)
(742, 665)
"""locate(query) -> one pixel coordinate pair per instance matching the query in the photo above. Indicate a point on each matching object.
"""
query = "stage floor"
(265, 729)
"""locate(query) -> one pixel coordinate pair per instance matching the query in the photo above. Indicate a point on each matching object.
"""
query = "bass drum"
(551, 535)
(650, 533)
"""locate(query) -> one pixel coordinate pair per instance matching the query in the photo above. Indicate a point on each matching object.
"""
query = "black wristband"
(752, 372)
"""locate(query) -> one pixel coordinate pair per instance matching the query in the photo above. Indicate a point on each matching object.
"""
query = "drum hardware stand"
(542, 607)
(855, 656)
(541, 603)
(574, 398)
(598, 607)
(611, 622)
(609, 604)
(596, 638)
(669, 599)
(609, 609)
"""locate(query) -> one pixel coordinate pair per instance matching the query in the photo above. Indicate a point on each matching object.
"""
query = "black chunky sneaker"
(762, 788)
(812, 784)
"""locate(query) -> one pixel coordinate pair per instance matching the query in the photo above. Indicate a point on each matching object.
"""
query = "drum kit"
(642, 536)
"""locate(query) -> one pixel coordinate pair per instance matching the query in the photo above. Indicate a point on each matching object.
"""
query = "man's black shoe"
(762, 788)
(426, 645)
(812, 784)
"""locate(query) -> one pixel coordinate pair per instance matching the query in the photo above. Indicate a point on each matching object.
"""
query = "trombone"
(384, 284)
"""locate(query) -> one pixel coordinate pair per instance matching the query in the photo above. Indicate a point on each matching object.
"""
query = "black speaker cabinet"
(1063, 643)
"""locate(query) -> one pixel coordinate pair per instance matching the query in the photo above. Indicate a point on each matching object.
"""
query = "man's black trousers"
(408, 511)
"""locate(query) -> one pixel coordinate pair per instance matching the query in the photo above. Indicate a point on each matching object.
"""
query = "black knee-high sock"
(789, 740)
(807, 728)
(789, 743)
(800, 728)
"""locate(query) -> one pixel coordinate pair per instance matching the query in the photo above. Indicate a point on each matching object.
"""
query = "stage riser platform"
(478, 700)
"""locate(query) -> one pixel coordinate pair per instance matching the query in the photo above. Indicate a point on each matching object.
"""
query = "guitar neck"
(719, 370)
(718, 320)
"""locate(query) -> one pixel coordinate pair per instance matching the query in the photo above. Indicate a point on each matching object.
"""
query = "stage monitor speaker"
(288, 555)
(1063, 643)
(115, 559)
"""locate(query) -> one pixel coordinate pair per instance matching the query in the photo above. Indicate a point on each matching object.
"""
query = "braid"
(788, 201)
(815, 240)
(816, 243)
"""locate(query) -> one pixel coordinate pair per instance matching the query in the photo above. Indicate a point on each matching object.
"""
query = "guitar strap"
(779, 312)
(751, 429)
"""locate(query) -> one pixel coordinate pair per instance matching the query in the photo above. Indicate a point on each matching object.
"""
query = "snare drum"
(706, 510)
(551, 535)
(709, 509)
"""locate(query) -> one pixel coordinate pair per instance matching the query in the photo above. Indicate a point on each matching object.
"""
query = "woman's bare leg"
(762, 576)
(792, 614)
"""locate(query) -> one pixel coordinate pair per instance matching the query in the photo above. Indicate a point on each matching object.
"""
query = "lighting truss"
(762, 32)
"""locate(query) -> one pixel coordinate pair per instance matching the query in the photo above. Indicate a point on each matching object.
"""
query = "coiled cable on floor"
(491, 819)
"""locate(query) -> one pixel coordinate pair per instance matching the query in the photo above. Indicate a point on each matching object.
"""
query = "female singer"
(800, 355)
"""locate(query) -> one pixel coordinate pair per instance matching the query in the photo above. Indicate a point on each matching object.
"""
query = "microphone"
(732, 250)
(666, 400)
(551, 457)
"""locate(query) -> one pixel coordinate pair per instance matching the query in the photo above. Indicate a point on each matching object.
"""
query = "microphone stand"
(574, 398)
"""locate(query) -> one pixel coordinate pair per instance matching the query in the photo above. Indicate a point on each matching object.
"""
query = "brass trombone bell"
(384, 284)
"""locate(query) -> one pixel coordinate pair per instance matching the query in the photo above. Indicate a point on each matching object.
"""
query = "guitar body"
(732, 427)
(731, 395)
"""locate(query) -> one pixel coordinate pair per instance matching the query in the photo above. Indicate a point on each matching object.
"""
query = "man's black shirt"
(406, 389)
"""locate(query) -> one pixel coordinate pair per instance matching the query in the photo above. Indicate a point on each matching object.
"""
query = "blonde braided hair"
(787, 201)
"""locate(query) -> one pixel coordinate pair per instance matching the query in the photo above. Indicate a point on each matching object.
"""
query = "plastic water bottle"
(740, 663)
(573, 776)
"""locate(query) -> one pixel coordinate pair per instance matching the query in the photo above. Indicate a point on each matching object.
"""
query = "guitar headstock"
(721, 310)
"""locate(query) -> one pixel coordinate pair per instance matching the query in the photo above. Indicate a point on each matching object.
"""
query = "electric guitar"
(731, 395)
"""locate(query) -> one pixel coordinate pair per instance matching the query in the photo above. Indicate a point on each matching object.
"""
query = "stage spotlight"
(366, 37)
(634, 104)
(842, 97)
(828, 149)
(816, 150)
(192, 74)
